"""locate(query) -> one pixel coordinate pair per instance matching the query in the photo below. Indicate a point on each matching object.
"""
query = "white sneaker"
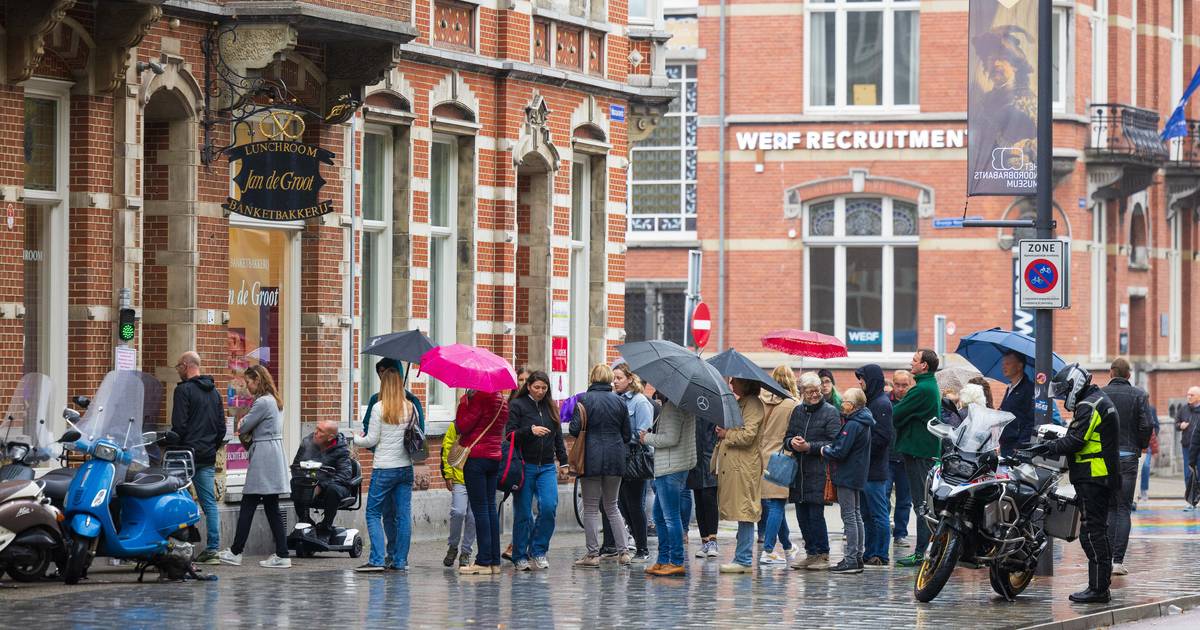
(772, 558)
(228, 557)
(523, 565)
(713, 551)
(1119, 569)
(702, 552)
(541, 562)
(793, 555)
(275, 562)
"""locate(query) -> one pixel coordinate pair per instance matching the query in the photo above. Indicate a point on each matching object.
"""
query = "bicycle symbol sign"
(1041, 276)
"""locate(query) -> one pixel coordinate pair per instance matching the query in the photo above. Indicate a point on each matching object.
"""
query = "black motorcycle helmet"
(1068, 383)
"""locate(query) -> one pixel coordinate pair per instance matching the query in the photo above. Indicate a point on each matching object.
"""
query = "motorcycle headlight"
(105, 452)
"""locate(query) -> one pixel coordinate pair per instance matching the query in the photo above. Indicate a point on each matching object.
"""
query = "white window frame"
(580, 263)
(653, 11)
(1099, 301)
(682, 181)
(445, 295)
(1099, 24)
(1065, 50)
(379, 232)
(840, 8)
(1176, 38)
(886, 241)
(54, 356)
(1175, 288)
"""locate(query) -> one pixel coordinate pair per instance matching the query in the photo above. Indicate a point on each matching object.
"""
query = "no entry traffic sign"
(701, 325)
(1043, 265)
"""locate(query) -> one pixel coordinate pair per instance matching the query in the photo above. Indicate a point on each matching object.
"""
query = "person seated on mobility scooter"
(325, 476)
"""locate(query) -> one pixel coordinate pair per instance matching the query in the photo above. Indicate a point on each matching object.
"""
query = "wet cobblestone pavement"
(323, 592)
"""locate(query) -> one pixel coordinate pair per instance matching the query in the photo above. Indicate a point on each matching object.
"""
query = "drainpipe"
(721, 312)
(351, 208)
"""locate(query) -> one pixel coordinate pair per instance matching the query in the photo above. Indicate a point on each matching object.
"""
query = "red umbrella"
(469, 367)
(804, 343)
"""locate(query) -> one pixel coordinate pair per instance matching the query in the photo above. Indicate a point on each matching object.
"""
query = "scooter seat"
(150, 486)
(56, 482)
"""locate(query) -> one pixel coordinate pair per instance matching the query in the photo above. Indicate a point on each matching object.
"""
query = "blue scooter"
(116, 506)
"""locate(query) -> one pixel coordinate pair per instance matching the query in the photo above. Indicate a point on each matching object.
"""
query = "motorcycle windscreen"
(980, 431)
(116, 414)
(28, 416)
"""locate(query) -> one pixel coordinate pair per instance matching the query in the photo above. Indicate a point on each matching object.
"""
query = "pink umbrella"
(469, 367)
(804, 343)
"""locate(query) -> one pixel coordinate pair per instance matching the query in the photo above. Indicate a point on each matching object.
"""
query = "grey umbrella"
(688, 381)
(735, 364)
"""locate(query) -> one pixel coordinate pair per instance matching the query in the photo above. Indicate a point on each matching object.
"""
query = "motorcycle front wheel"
(939, 563)
(78, 558)
(1009, 584)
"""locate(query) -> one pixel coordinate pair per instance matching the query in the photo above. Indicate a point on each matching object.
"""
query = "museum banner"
(1002, 99)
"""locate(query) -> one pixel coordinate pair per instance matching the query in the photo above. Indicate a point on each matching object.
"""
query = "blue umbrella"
(985, 348)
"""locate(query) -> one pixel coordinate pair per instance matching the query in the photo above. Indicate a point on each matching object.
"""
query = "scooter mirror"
(82, 401)
(149, 437)
(70, 436)
(71, 415)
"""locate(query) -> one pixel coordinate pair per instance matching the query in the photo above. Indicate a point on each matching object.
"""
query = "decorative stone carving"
(352, 66)
(255, 45)
(535, 136)
(643, 118)
(27, 24)
(453, 89)
(454, 25)
(120, 26)
(589, 113)
(635, 58)
(1183, 184)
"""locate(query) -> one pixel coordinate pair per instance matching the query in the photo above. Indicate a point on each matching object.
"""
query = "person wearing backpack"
(537, 434)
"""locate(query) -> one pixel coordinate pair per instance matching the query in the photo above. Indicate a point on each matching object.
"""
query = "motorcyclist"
(1092, 444)
(332, 449)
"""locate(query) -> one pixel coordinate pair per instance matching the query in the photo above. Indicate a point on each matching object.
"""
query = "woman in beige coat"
(774, 497)
(738, 464)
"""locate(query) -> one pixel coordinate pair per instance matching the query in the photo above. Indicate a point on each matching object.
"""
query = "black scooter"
(304, 539)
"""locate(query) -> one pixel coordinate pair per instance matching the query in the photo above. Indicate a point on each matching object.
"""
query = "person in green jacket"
(915, 443)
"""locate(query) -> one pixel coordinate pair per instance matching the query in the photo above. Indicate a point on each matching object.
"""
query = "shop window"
(656, 310)
(376, 287)
(861, 272)
(863, 53)
(443, 235)
(663, 186)
(1139, 251)
(41, 144)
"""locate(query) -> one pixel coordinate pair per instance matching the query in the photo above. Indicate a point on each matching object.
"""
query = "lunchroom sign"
(279, 180)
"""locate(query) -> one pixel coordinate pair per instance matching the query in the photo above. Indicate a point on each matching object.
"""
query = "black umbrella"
(735, 365)
(402, 346)
(685, 379)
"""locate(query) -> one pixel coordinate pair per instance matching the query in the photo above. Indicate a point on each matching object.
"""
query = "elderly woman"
(851, 454)
(814, 423)
(738, 463)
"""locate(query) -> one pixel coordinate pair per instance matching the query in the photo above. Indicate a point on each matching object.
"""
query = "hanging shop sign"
(279, 180)
(1002, 98)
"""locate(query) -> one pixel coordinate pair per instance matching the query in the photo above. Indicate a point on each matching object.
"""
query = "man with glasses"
(198, 417)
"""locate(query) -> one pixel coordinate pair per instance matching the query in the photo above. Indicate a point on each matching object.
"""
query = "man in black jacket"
(1091, 447)
(875, 494)
(1186, 421)
(331, 448)
(1132, 405)
(1018, 400)
(198, 418)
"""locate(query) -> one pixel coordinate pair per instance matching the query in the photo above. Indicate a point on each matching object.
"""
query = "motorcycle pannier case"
(1062, 521)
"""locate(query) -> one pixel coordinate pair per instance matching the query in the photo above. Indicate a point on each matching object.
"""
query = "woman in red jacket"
(480, 424)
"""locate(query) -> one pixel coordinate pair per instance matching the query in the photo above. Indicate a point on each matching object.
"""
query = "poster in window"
(1002, 98)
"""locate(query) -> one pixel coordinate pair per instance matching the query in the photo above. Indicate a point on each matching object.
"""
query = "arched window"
(1139, 251)
(861, 272)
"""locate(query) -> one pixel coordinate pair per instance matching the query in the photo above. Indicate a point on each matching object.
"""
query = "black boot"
(1090, 596)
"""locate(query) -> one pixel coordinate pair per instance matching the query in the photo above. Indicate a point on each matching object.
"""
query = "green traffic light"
(127, 331)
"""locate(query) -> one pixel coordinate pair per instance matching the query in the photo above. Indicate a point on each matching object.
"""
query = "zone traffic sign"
(1044, 273)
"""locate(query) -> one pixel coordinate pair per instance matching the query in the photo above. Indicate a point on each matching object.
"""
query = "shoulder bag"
(414, 440)
(639, 461)
(575, 458)
(830, 489)
(781, 468)
(459, 453)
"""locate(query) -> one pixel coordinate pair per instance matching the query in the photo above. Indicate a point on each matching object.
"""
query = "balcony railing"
(1185, 151)
(1126, 130)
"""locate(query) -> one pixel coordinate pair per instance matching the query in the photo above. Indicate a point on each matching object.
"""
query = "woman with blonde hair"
(605, 450)
(632, 500)
(267, 475)
(391, 475)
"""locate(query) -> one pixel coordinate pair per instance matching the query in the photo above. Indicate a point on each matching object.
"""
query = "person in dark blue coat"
(875, 508)
(1018, 400)
(850, 455)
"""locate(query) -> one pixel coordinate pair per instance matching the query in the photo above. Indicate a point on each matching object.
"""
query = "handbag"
(414, 441)
(459, 453)
(575, 458)
(246, 439)
(639, 463)
(512, 466)
(781, 468)
(830, 489)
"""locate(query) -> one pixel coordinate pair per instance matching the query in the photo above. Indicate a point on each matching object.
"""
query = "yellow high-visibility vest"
(1091, 451)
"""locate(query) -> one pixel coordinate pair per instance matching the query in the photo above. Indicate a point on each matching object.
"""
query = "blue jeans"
(776, 528)
(540, 479)
(811, 517)
(1146, 472)
(205, 483)
(668, 491)
(875, 516)
(898, 481)
(390, 486)
(744, 553)
(481, 476)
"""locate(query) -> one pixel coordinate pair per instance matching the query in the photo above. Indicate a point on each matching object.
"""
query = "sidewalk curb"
(1120, 615)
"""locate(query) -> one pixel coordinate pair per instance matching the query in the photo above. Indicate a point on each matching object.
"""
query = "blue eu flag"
(1176, 126)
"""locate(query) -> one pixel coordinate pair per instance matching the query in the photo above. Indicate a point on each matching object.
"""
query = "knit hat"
(827, 373)
(386, 362)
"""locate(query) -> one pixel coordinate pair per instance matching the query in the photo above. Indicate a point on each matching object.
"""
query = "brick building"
(489, 158)
(845, 163)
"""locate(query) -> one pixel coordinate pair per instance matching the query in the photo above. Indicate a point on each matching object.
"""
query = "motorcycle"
(30, 532)
(152, 517)
(25, 440)
(988, 511)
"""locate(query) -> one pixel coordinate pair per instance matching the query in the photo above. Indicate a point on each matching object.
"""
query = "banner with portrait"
(1002, 99)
